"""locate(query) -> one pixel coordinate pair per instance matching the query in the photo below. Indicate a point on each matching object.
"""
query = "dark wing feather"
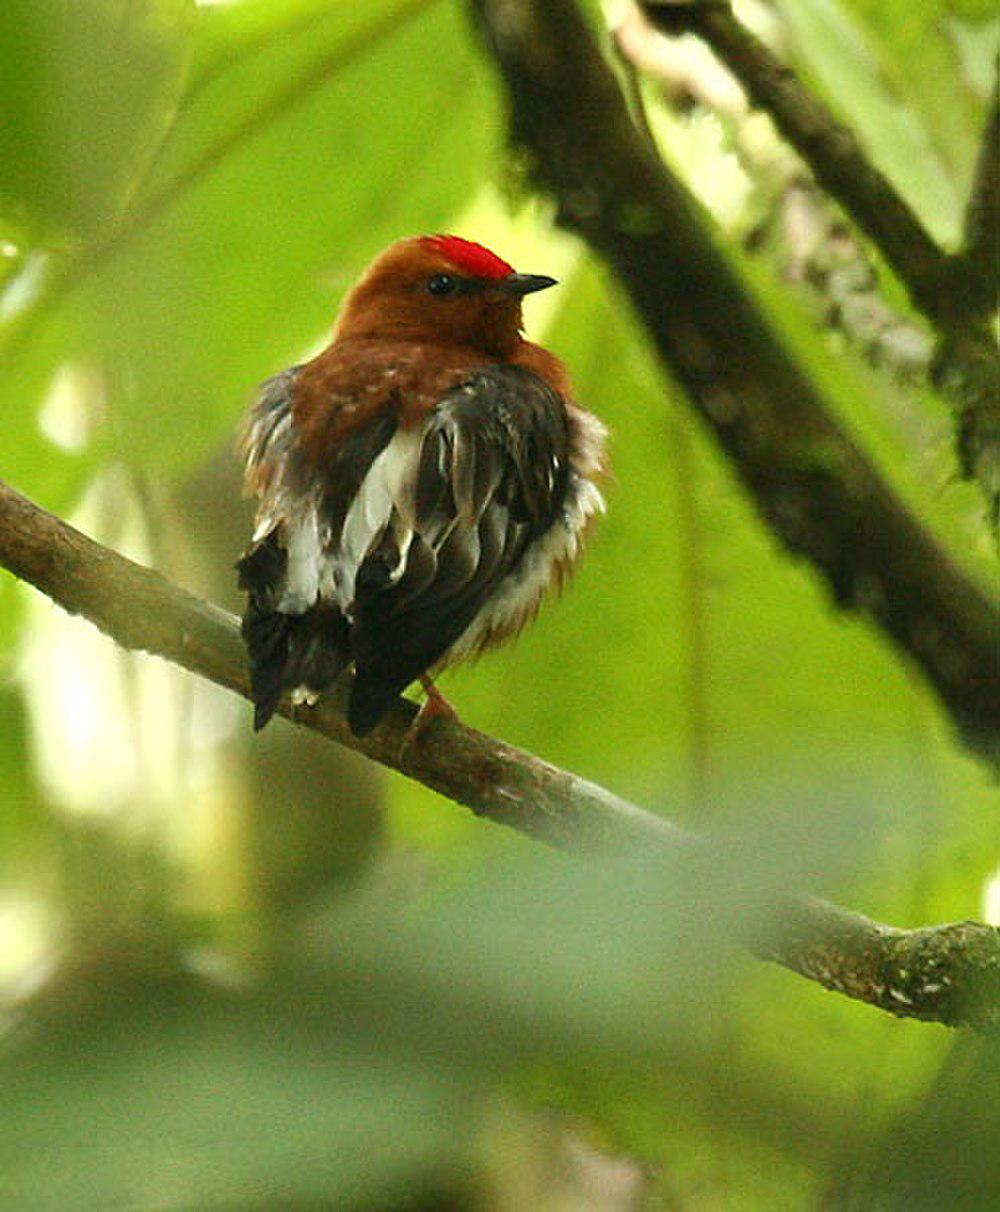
(286, 650)
(491, 479)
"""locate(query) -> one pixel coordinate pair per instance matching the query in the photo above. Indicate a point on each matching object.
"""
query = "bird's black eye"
(442, 284)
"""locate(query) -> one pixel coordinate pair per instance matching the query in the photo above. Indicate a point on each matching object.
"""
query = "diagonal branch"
(948, 974)
(830, 150)
(815, 487)
(818, 247)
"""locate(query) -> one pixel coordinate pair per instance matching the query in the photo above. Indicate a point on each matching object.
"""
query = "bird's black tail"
(286, 650)
(370, 699)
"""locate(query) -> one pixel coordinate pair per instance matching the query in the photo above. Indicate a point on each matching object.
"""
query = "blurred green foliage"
(185, 193)
(93, 87)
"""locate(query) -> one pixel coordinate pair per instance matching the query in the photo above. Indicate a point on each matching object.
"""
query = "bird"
(421, 484)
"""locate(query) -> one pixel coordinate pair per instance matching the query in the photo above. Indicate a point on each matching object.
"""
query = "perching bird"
(421, 484)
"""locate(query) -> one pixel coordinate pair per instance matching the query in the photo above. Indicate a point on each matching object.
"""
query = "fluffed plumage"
(421, 483)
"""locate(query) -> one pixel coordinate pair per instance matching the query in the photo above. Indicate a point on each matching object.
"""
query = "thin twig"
(830, 149)
(948, 974)
(958, 293)
(817, 245)
(822, 250)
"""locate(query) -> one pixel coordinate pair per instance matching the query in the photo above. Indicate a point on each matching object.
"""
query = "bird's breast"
(353, 382)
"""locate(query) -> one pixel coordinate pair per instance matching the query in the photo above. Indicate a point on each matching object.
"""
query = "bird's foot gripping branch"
(948, 974)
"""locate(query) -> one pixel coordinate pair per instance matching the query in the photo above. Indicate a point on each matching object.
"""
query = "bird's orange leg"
(436, 704)
(434, 707)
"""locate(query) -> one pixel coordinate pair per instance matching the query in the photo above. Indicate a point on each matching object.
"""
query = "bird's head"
(443, 290)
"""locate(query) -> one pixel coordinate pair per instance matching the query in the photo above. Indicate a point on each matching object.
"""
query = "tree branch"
(948, 974)
(957, 293)
(968, 363)
(818, 246)
(830, 150)
(814, 486)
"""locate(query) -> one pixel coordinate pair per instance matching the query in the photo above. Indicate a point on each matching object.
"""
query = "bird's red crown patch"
(473, 258)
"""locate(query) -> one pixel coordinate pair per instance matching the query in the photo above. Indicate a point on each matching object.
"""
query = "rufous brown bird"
(421, 483)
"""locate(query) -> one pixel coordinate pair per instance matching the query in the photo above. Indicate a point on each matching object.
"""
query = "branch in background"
(967, 370)
(948, 974)
(816, 489)
(817, 246)
(822, 251)
(957, 293)
(831, 150)
(968, 363)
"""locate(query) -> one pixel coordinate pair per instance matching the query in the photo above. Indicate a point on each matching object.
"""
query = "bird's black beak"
(524, 284)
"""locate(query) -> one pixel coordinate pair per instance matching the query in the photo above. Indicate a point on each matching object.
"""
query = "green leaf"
(977, 46)
(353, 1073)
(87, 91)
